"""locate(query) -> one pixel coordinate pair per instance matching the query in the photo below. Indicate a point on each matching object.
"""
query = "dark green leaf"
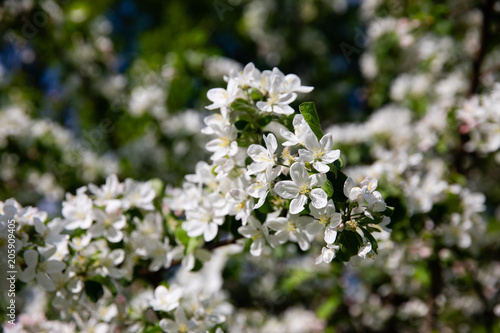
(105, 281)
(338, 186)
(349, 242)
(328, 188)
(93, 290)
(310, 114)
(263, 121)
(241, 124)
(242, 106)
(388, 211)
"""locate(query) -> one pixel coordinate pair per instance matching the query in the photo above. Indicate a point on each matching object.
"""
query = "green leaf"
(105, 281)
(339, 164)
(242, 106)
(349, 242)
(310, 114)
(247, 138)
(182, 236)
(338, 186)
(255, 94)
(328, 307)
(328, 188)
(241, 124)
(388, 211)
(263, 121)
(94, 290)
(154, 329)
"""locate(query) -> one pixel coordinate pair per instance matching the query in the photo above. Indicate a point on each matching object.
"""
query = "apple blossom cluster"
(437, 149)
(273, 177)
(275, 173)
(480, 118)
(107, 237)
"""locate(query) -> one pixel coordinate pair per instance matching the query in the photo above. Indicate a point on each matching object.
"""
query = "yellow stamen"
(351, 225)
(318, 153)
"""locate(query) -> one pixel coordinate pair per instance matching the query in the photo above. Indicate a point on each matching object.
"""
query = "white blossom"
(301, 187)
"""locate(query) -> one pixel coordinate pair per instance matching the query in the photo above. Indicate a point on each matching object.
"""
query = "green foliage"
(308, 110)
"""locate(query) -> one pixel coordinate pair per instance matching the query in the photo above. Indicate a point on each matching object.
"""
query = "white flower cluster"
(102, 239)
(294, 170)
(280, 191)
(480, 118)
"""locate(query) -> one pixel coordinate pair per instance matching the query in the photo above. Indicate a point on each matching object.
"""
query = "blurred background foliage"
(93, 88)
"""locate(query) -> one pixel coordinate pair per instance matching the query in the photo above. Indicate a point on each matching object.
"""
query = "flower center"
(263, 157)
(304, 189)
(323, 219)
(287, 157)
(351, 225)
(318, 153)
(258, 185)
(224, 141)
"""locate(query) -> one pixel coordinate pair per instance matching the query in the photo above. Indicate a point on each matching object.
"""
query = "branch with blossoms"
(283, 190)
(273, 178)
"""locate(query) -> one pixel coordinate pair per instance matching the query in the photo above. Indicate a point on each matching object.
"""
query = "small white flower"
(203, 175)
(292, 84)
(166, 299)
(319, 154)
(292, 227)
(180, 324)
(51, 232)
(243, 205)
(161, 253)
(301, 187)
(107, 192)
(263, 158)
(206, 218)
(257, 232)
(41, 270)
(262, 186)
(138, 194)
(108, 225)
(277, 102)
(351, 191)
(107, 262)
(364, 251)
(77, 210)
(301, 129)
(328, 252)
(225, 144)
(325, 218)
(222, 98)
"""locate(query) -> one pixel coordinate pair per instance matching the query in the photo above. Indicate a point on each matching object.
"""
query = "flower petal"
(299, 174)
(297, 204)
(210, 232)
(314, 228)
(31, 258)
(319, 199)
(271, 143)
(330, 235)
(287, 189)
